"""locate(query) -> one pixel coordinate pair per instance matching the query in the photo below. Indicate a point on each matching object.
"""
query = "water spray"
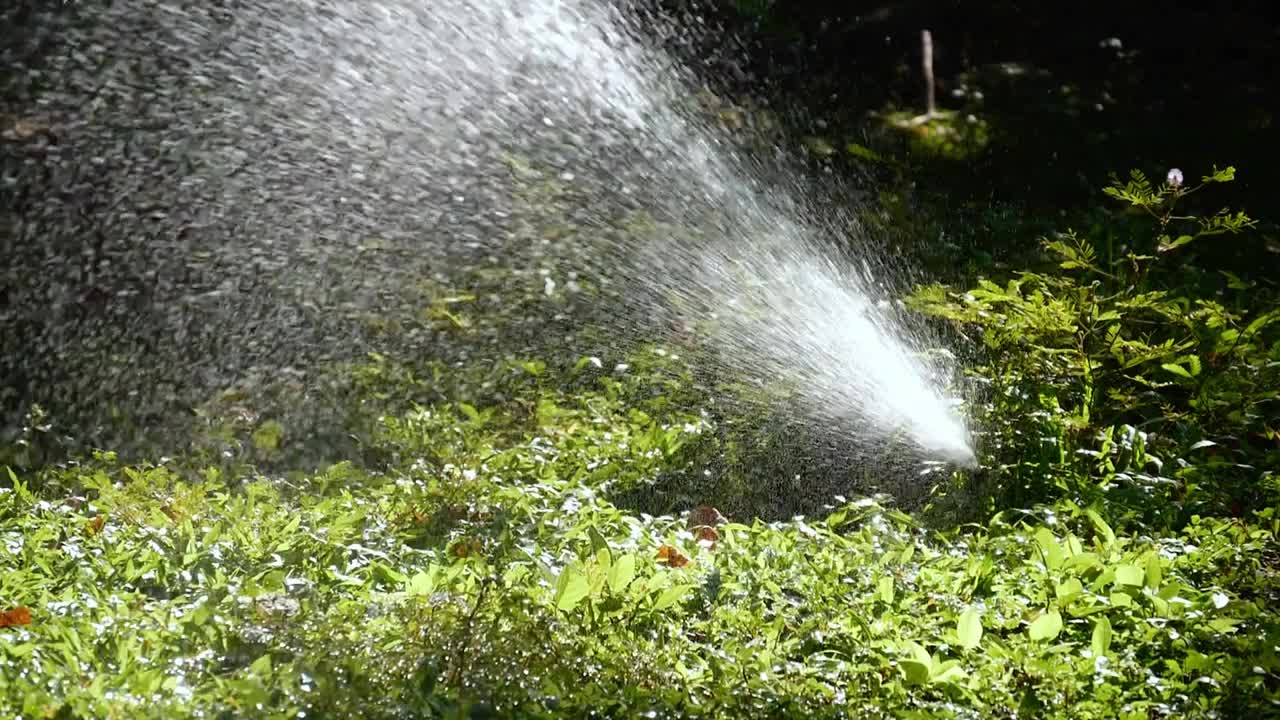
(231, 188)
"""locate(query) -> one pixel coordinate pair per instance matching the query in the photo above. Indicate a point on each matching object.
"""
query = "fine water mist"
(237, 186)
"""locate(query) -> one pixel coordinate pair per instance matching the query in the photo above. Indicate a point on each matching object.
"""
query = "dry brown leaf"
(671, 557)
(703, 522)
(16, 616)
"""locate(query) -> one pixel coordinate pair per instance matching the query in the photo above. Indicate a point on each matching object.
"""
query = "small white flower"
(1174, 178)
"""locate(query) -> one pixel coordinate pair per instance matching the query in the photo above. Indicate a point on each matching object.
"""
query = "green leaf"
(1046, 627)
(670, 597)
(622, 573)
(914, 672)
(969, 629)
(422, 583)
(837, 518)
(1120, 600)
(919, 652)
(261, 666)
(1193, 364)
(1051, 549)
(919, 668)
(1235, 282)
(1069, 589)
(1224, 625)
(598, 543)
(948, 672)
(1227, 174)
(1155, 572)
(863, 152)
(884, 589)
(1166, 244)
(571, 588)
(1101, 640)
(1176, 370)
(268, 435)
(1129, 575)
(1101, 526)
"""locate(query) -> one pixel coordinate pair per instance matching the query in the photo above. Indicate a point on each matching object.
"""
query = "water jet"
(239, 184)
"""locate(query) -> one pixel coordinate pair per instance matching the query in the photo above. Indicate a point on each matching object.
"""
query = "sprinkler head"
(961, 456)
(967, 460)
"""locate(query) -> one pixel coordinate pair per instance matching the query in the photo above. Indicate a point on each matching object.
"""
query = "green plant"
(1116, 380)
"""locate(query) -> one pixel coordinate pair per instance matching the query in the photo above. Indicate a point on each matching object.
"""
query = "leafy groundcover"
(489, 559)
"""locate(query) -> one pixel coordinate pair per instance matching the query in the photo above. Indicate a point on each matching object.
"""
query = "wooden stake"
(926, 41)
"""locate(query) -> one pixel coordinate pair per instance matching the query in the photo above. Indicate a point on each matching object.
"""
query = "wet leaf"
(1100, 643)
(969, 629)
(268, 435)
(914, 672)
(670, 597)
(1046, 627)
(572, 587)
(1129, 575)
(622, 572)
(884, 589)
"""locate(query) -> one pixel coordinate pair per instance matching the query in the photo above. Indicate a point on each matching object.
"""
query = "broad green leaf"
(622, 572)
(914, 672)
(1119, 599)
(1073, 546)
(422, 583)
(571, 588)
(920, 653)
(670, 597)
(1197, 662)
(1176, 370)
(884, 589)
(947, 672)
(261, 666)
(1101, 641)
(969, 629)
(1046, 627)
(1129, 575)
(837, 518)
(1051, 549)
(1086, 560)
(1224, 625)
(201, 614)
(1069, 589)
(1155, 572)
